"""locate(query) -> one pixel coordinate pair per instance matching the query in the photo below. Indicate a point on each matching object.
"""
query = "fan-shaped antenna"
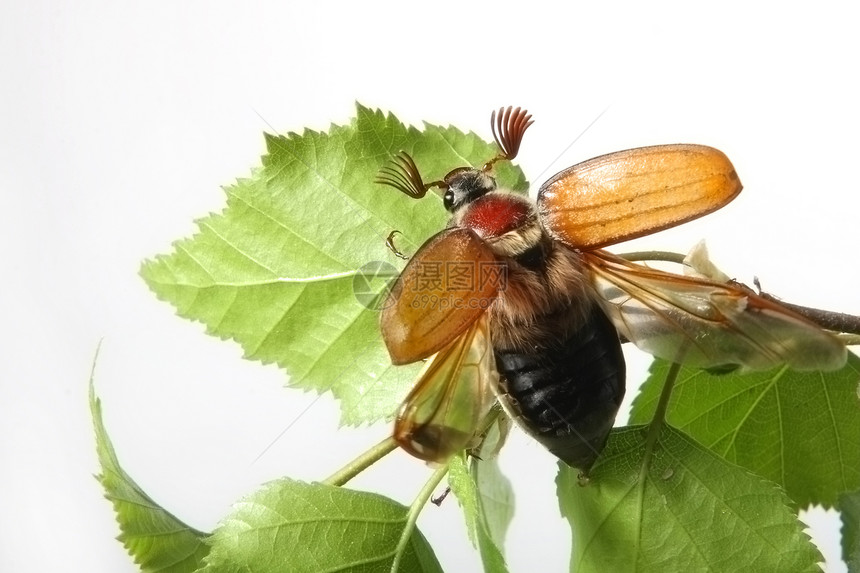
(402, 174)
(508, 127)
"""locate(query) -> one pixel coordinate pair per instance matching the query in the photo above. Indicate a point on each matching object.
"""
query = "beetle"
(516, 300)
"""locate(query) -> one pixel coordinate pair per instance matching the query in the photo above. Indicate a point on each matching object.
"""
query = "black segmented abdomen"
(566, 392)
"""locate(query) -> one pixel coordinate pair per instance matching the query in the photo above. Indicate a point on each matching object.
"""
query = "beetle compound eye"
(466, 186)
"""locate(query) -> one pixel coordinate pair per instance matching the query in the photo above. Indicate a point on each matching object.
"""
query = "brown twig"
(827, 319)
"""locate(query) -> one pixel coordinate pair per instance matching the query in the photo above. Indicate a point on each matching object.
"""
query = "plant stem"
(362, 462)
(414, 511)
(654, 256)
(659, 418)
(666, 393)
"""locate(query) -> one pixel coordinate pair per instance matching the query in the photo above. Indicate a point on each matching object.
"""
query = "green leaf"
(282, 269)
(496, 504)
(495, 494)
(156, 539)
(465, 490)
(849, 506)
(487, 508)
(684, 509)
(798, 429)
(299, 527)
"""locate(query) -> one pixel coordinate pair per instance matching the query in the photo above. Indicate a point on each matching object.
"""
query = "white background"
(119, 122)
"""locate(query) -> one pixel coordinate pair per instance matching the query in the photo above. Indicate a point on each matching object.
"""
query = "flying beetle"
(517, 301)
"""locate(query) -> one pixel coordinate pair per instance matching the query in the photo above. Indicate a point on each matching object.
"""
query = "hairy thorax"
(545, 295)
(539, 306)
